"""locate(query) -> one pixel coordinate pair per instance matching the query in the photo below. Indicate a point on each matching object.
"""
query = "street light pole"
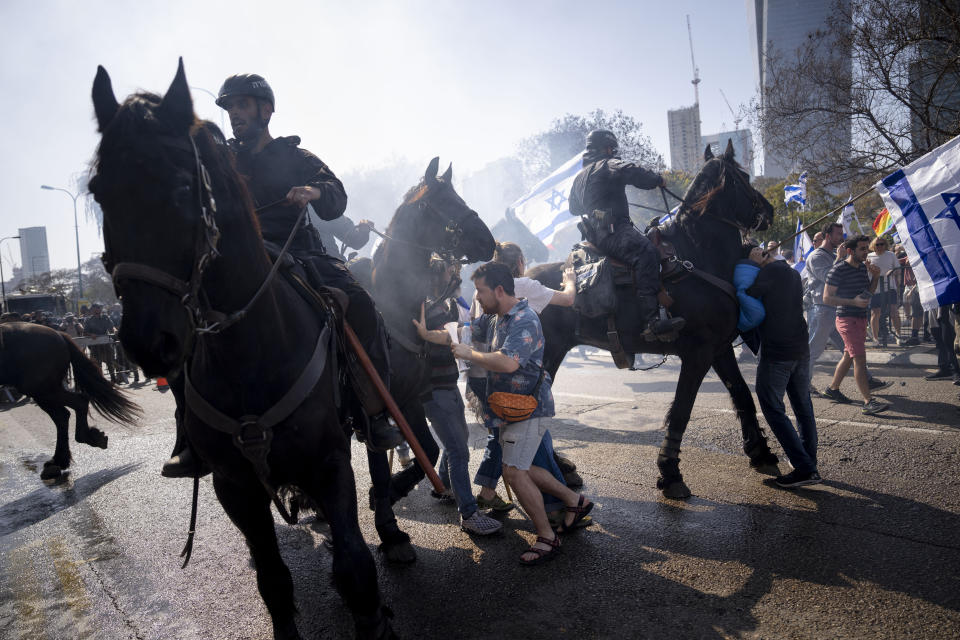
(214, 96)
(76, 229)
(3, 284)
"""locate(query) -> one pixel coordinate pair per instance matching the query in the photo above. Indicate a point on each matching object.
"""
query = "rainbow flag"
(882, 222)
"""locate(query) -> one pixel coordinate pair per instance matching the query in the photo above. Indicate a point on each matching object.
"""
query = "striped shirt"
(850, 282)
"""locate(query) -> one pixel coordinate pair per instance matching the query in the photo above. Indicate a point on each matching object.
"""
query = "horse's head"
(722, 190)
(158, 214)
(447, 223)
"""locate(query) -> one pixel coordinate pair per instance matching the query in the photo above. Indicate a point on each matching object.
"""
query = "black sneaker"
(876, 384)
(912, 341)
(836, 395)
(939, 374)
(796, 479)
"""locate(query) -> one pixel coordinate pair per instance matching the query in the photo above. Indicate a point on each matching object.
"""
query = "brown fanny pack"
(515, 407)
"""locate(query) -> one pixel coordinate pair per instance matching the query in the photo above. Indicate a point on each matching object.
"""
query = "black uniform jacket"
(600, 185)
(278, 167)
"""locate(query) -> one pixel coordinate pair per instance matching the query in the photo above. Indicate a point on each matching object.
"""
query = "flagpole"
(822, 218)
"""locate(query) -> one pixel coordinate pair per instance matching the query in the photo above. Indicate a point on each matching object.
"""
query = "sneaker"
(912, 341)
(496, 503)
(480, 524)
(836, 395)
(939, 374)
(873, 407)
(796, 479)
(446, 497)
(877, 384)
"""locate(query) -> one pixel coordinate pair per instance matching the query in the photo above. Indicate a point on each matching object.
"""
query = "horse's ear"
(177, 106)
(431, 174)
(729, 152)
(104, 102)
(707, 154)
(448, 174)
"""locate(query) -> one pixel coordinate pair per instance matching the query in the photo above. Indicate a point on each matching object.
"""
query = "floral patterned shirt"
(518, 335)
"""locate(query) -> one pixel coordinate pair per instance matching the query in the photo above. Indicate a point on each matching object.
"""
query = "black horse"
(718, 208)
(433, 218)
(183, 244)
(34, 359)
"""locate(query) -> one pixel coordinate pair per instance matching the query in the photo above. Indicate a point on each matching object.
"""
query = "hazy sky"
(360, 82)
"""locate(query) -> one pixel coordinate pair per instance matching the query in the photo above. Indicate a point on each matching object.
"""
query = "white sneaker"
(480, 524)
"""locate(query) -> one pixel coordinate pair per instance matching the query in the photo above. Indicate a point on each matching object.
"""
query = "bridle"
(756, 201)
(203, 319)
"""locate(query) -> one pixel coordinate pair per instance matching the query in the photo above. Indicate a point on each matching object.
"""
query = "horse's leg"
(249, 508)
(754, 441)
(354, 572)
(394, 543)
(82, 431)
(61, 418)
(403, 482)
(694, 366)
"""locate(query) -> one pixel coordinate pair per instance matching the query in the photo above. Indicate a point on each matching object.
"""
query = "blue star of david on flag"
(557, 200)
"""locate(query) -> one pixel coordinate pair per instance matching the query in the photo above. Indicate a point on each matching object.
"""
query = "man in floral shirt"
(515, 364)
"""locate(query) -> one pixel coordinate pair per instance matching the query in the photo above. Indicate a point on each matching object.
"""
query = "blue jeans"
(822, 329)
(774, 377)
(445, 412)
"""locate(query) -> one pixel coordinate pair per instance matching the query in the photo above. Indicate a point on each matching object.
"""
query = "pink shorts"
(854, 334)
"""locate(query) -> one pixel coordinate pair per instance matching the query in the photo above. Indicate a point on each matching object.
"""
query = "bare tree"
(886, 71)
(542, 153)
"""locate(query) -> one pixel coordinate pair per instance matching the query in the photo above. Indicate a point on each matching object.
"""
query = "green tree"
(545, 151)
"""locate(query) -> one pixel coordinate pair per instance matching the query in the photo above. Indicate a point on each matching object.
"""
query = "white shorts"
(520, 441)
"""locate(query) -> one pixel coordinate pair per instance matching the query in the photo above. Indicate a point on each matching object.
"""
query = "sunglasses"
(881, 244)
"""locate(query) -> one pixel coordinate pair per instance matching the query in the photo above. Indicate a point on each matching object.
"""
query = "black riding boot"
(659, 326)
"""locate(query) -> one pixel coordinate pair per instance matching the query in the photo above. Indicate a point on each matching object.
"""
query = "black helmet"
(599, 140)
(246, 84)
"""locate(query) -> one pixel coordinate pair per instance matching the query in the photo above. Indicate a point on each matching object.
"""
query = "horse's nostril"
(169, 346)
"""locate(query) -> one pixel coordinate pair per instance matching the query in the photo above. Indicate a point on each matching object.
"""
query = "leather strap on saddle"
(621, 358)
(253, 434)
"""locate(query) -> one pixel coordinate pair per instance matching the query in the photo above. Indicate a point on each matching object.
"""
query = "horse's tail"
(109, 401)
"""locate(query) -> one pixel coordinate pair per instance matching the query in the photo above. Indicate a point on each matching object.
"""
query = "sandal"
(581, 513)
(543, 555)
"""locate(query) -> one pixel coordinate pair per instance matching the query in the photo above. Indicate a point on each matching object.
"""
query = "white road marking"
(863, 425)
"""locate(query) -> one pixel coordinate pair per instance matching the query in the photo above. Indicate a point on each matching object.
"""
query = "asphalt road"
(873, 552)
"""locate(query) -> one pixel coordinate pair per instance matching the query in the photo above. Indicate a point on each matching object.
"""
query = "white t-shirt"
(538, 297)
(886, 261)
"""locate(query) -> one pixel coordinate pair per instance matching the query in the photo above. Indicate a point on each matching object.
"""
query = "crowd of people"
(93, 321)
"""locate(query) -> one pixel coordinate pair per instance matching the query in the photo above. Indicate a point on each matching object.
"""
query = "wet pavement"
(873, 552)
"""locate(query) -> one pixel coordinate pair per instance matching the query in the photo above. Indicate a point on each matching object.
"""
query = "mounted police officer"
(598, 196)
(283, 179)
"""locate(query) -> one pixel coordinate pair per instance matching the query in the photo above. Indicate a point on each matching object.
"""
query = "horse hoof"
(767, 469)
(675, 489)
(50, 471)
(398, 552)
(95, 438)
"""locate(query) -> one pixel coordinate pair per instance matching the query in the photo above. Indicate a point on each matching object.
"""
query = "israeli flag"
(669, 216)
(802, 248)
(796, 192)
(546, 208)
(923, 198)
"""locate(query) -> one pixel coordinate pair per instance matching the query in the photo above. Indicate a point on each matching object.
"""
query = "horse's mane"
(703, 201)
(135, 129)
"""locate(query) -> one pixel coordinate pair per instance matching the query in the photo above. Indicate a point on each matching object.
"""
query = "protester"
(822, 315)
(98, 324)
(783, 367)
(538, 297)
(849, 285)
(941, 326)
(911, 300)
(71, 326)
(515, 363)
(445, 408)
(885, 300)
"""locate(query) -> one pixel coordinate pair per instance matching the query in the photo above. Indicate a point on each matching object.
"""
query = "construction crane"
(736, 119)
(693, 63)
(736, 127)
